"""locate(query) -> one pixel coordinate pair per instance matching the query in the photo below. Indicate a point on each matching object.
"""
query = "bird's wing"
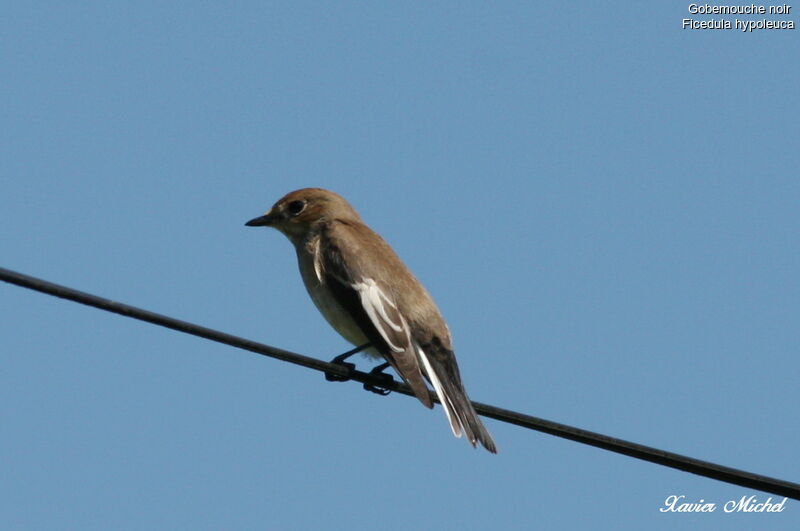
(362, 292)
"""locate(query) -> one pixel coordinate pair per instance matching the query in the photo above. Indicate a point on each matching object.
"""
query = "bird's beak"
(263, 221)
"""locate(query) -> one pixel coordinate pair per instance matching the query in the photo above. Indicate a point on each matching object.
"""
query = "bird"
(368, 295)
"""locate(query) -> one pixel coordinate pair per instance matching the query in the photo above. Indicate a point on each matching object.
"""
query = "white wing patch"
(317, 260)
(373, 299)
(447, 404)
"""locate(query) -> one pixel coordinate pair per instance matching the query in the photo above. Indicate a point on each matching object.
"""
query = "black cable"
(646, 453)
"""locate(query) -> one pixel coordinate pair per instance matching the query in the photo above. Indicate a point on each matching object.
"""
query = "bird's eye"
(295, 207)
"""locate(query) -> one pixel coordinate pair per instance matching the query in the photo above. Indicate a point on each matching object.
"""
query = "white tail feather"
(447, 404)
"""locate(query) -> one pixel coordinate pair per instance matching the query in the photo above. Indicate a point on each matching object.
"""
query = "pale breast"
(327, 305)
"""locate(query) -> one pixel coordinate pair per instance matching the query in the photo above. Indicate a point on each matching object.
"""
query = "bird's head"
(303, 211)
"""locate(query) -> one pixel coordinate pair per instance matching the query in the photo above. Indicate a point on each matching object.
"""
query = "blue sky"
(604, 206)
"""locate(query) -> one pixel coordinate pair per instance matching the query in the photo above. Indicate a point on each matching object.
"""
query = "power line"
(646, 453)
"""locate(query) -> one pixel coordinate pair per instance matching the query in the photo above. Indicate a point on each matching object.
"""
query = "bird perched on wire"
(370, 298)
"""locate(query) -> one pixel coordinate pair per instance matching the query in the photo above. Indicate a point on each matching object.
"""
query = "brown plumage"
(368, 295)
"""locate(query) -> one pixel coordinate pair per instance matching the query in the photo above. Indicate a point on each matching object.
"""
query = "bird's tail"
(440, 368)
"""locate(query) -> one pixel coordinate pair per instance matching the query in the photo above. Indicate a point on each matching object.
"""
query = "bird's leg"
(339, 360)
(378, 373)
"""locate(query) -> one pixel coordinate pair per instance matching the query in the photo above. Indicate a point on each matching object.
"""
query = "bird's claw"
(378, 373)
(377, 390)
(339, 360)
(350, 367)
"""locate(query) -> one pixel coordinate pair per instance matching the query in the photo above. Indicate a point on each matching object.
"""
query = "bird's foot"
(350, 367)
(385, 378)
